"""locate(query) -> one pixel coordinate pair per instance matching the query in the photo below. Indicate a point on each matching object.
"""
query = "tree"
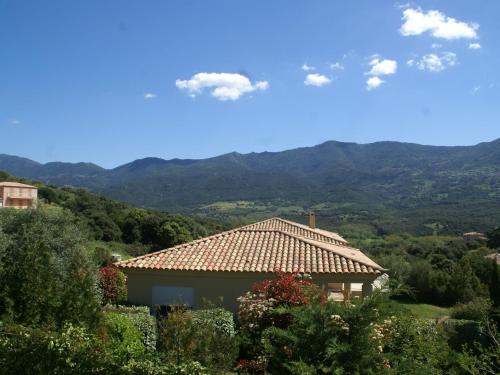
(494, 238)
(46, 278)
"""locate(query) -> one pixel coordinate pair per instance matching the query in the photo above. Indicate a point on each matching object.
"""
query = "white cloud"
(150, 95)
(382, 67)
(435, 63)
(439, 25)
(436, 45)
(475, 90)
(225, 86)
(307, 67)
(336, 66)
(317, 80)
(379, 67)
(474, 46)
(373, 83)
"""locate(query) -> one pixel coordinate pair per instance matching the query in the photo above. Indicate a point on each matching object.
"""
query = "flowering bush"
(113, 284)
(257, 307)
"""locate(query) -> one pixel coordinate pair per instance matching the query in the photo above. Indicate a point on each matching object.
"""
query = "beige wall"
(18, 197)
(213, 285)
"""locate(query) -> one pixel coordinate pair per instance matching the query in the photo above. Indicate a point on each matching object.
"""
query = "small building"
(225, 265)
(471, 236)
(495, 257)
(17, 195)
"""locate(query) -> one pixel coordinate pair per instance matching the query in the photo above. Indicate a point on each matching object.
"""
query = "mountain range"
(388, 185)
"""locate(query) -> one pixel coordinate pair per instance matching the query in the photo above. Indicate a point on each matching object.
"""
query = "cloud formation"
(382, 67)
(150, 95)
(437, 24)
(435, 63)
(379, 67)
(474, 46)
(317, 80)
(225, 86)
(307, 67)
(373, 83)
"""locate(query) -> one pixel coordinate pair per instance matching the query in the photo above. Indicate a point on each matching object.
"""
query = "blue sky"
(112, 81)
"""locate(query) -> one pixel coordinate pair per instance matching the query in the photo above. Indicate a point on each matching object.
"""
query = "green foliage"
(330, 338)
(35, 351)
(110, 220)
(476, 309)
(185, 339)
(125, 340)
(45, 276)
(222, 320)
(494, 238)
(392, 187)
(413, 346)
(483, 359)
(140, 317)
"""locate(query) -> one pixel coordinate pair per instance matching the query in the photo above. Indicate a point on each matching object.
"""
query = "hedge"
(143, 321)
(221, 319)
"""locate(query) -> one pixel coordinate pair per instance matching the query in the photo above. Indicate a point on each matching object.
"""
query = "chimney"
(312, 220)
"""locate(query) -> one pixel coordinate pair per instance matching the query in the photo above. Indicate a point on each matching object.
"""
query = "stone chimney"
(312, 220)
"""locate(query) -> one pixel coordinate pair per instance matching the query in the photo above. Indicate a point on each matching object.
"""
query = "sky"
(110, 81)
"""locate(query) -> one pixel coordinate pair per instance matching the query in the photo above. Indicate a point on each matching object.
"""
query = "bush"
(329, 338)
(222, 320)
(142, 320)
(46, 278)
(124, 339)
(72, 351)
(477, 309)
(185, 339)
(257, 308)
(113, 283)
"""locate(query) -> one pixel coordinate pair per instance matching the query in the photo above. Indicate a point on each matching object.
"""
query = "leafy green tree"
(45, 276)
(494, 238)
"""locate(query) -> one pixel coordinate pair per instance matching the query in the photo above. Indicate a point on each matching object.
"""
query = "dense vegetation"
(119, 226)
(62, 312)
(393, 187)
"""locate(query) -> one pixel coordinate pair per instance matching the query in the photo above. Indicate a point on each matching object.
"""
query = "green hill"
(391, 186)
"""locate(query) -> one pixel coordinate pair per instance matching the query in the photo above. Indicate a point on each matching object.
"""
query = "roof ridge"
(321, 232)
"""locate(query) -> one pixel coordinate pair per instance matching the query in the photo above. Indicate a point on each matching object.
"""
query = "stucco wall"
(212, 286)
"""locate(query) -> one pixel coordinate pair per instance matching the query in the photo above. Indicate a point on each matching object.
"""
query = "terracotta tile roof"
(266, 246)
(301, 230)
(16, 184)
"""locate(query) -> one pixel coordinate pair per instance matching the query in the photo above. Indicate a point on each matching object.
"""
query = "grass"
(425, 311)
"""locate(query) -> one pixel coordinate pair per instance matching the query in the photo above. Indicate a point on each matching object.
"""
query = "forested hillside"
(391, 186)
(109, 223)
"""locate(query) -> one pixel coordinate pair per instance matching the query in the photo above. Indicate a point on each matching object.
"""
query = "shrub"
(142, 320)
(222, 320)
(72, 351)
(411, 345)
(185, 339)
(329, 338)
(46, 278)
(113, 284)
(257, 308)
(124, 339)
(477, 309)
(102, 256)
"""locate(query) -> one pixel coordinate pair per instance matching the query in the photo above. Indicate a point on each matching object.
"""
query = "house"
(17, 195)
(470, 236)
(495, 257)
(227, 264)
